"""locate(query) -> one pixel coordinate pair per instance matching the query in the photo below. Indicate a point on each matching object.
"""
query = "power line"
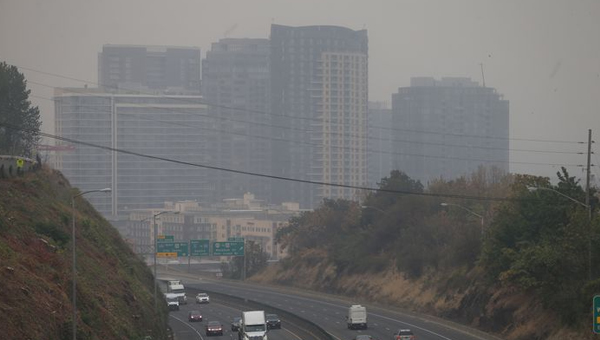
(445, 195)
(306, 118)
(333, 146)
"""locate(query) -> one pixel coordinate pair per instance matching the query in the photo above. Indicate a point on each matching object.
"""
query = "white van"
(357, 317)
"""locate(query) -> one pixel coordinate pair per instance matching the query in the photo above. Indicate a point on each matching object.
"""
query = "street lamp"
(588, 207)
(75, 256)
(444, 204)
(154, 227)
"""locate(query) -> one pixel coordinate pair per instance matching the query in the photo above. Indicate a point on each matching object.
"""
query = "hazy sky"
(543, 55)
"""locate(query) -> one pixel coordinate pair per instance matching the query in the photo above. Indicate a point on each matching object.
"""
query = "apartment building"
(448, 128)
(319, 98)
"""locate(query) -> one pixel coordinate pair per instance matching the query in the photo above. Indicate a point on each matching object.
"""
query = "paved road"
(330, 314)
(185, 330)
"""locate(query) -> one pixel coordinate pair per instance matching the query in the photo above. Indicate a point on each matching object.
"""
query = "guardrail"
(306, 329)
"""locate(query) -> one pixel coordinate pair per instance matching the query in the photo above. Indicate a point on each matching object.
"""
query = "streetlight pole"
(74, 270)
(444, 204)
(588, 207)
(155, 231)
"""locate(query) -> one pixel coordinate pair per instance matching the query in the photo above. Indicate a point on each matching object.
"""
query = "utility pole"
(587, 202)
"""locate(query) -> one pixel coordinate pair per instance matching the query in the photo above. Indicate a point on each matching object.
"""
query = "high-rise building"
(235, 85)
(149, 68)
(379, 146)
(319, 101)
(158, 126)
(448, 128)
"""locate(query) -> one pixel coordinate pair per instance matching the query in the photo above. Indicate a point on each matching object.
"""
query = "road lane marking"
(185, 323)
(374, 314)
(292, 333)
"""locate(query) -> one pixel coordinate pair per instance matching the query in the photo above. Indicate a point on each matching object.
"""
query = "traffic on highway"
(328, 312)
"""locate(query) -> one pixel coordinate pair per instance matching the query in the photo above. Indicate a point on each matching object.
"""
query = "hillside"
(460, 296)
(114, 287)
(521, 267)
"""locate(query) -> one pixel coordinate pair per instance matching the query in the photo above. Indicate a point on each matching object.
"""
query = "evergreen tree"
(19, 121)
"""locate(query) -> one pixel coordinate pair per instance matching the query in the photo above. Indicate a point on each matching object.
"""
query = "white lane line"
(292, 333)
(334, 336)
(185, 323)
(378, 315)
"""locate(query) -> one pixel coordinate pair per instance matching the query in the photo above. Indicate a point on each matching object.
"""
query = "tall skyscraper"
(235, 85)
(448, 128)
(149, 68)
(319, 102)
(379, 155)
(159, 126)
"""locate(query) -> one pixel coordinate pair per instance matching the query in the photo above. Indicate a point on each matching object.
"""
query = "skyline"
(542, 56)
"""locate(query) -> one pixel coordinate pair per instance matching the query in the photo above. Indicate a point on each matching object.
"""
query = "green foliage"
(53, 231)
(540, 242)
(256, 260)
(114, 288)
(19, 121)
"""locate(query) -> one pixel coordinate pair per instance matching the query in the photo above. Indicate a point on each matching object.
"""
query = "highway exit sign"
(166, 249)
(228, 249)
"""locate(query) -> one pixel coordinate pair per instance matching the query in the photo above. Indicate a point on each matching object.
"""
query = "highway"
(329, 312)
(185, 330)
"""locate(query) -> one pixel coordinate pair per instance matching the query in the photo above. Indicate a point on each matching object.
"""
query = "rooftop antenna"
(482, 75)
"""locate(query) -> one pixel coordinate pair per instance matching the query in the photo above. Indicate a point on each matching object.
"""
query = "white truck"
(357, 317)
(176, 288)
(253, 326)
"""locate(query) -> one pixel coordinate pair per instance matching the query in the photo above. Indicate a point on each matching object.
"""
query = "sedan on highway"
(273, 321)
(202, 298)
(404, 334)
(194, 316)
(214, 328)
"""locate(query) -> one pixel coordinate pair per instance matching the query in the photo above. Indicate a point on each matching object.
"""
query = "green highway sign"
(181, 248)
(596, 313)
(235, 239)
(199, 248)
(228, 249)
(165, 238)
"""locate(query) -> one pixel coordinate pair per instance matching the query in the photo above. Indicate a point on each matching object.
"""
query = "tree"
(539, 242)
(19, 121)
(256, 260)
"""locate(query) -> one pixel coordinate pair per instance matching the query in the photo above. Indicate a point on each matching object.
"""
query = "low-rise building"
(246, 218)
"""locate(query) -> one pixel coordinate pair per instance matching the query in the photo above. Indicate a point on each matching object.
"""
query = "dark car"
(214, 328)
(273, 321)
(236, 323)
(404, 334)
(194, 316)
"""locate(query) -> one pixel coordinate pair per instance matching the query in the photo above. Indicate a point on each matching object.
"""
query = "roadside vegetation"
(475, 261)
(114, 287)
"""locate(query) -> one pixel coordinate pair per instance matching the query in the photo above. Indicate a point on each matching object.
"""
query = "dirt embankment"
(114, 287)
(459, 296)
